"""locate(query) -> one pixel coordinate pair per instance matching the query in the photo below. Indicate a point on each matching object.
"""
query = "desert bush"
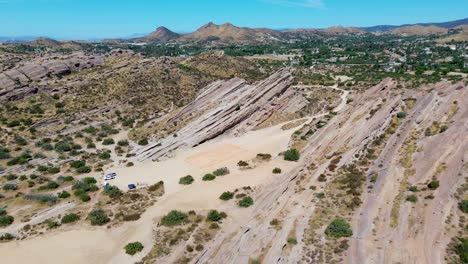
(49, 186)
(77, 164)
(412, 198)
(291, 155)
(221, 171)
(156, 186)
(213, 215)
(401, 114)
(339, 228)
(11, 177)
(108, 141)
(143, 142)
(433, 185)
(186, 180)
(174, 218)
(42, 198)
(264, 156)
(53, 170)
(7, 237)
(123, 143)
(133, 248)
(84, 197)
(246, 201)
(292, 240)
(276, 170)
(68, 178)
(413, 189)
(6, 220)
(4, 153)
(131, 217)
(70, 218)
(104, 155)
(63, 195)
(98, 217)
(10, 187)
(112, 191)
(463, 205)
(461, 249)
(84, 169)
(208, 177)
(242, 163)
(226, 196)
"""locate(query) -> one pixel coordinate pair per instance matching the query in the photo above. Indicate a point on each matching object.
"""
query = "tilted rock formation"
(233, 106)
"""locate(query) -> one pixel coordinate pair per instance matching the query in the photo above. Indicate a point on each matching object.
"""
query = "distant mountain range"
(229, 34)
(450, 24)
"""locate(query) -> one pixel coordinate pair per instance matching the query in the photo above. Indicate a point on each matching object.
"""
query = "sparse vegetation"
(133, 248)
(226, 196)
(186, 180)
(174, 218)
(246, 202)
(338, 228)
(291, 155)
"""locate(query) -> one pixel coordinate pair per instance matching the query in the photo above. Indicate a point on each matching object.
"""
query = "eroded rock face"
(32, 76)
(229, 106)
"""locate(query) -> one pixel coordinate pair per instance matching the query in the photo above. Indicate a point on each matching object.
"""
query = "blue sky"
(85, 19)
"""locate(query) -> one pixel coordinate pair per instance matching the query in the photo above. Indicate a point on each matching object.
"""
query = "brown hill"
(418, 30)
(44, 42)
(228, 33)
(162, 34)
(339, 30)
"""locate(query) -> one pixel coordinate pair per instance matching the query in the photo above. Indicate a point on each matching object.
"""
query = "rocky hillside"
(419, 31)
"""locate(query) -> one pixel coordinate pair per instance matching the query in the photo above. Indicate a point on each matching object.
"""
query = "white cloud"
(302, 3)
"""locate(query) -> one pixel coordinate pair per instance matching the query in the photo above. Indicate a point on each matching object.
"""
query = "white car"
(110, 176)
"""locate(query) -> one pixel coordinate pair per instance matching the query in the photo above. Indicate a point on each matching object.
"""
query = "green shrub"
(68, 178)
(213, 215)
(461, 248)
(7, 237)
(84, 197)
(53, 170)
(463, 205)
(276, 170)
(123, 143)
(413, 189)
(98, 217)
(226, 196)
(10, 187)
(52, 224)
(133, 248)
(292, 240)
(84, 169)
(174, 218)
(112, 191)
(104, 155)
(108, 141)
(291, 155)
(186, 180)
(412, 198)
(63, 195)
(221, 171)
(6, 220)
(62, 146)
(89, 180)
(11, 177)
(433, 185)
(339, 228)
(208, 177)
(143, 142)
(246, 202)
(401, 114)
(77, 164)
(70, 218)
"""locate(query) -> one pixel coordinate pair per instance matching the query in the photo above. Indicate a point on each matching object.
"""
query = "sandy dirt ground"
(83, 244)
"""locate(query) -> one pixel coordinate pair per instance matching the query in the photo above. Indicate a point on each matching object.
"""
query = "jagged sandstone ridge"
(30, 77)
(233, 106)
(349, 134)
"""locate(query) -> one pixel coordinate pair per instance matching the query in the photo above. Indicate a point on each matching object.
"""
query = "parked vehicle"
(131, 186)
